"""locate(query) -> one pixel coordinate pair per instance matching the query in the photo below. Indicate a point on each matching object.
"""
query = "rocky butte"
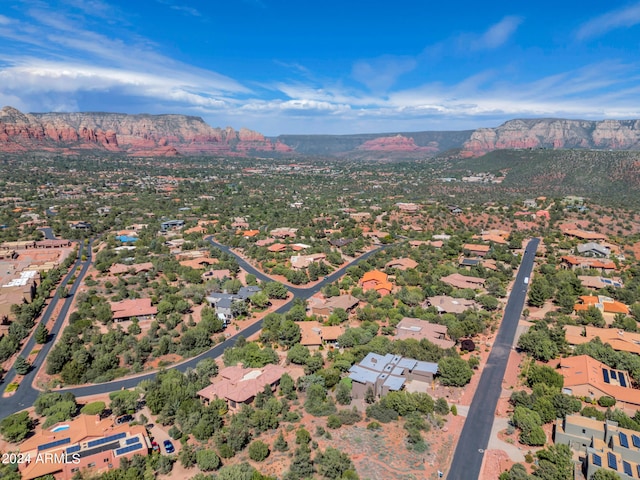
(555, 134)
(137, 135)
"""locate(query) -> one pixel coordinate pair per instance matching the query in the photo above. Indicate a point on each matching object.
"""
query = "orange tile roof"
(250, 233)
(618, 339)
(277, 247)
(584, 370)
(374, 275)
(242, 384)
(138, 307)
(474, 247)
(606, 304)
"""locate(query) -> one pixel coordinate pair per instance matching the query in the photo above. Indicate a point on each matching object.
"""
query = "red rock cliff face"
(140, 135)
(555, 133)
(397, 143)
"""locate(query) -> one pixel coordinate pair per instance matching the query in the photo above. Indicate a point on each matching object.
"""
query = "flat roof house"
(387, 373)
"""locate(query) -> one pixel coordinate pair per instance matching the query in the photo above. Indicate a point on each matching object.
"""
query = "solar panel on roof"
(597, 460)
(623, 440)
(130, 448)
(635, 439)
(626, 466)
(623, 382)
(612, 461)
(605, 374)
(110, 438)
(132, 440)
(607, 281)
(72, 449)
(57, 443)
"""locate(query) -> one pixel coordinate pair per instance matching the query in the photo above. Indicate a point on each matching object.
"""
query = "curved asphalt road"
(26, 395)
(467, 459)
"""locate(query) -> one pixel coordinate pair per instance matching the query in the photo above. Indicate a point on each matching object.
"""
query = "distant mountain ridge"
(139, 135)
(167, 135)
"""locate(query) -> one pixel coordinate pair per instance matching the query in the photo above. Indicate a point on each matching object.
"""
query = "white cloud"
(497, 35)
(4, 20)
(620, 18)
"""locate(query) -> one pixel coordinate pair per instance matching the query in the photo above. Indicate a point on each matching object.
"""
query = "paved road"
(467, 459)
(26, 395)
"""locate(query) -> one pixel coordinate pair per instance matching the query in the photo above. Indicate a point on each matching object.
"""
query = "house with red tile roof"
(85, 443)
(476, 249)
(277, 247)
(401, 263)
(120, 268)
(602, 303)
(463, 281)
(248, 233)
(326, 307)
(139, 308)
(572, 262)
(421, 329)
(376, 280)
(284, 232)
(446, 304)
(239, 386)
(584, 234)
(314, 334)
(298, 262)
(618, 339)
(586, 377)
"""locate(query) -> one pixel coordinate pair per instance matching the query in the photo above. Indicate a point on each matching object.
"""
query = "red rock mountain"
(556, 134)
(139, 135)
(154, 135)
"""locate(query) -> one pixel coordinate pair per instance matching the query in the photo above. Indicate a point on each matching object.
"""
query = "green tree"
(93, 408)
(41, 334)
(21, 365)
(454, 371)
(207, 460)
(343, 391)
(281, 444)
(334, 464)
(16, 427)
(275, 290)
(539, 291)
(258, 451)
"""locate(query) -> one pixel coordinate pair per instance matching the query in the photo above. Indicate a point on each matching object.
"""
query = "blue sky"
(296, 66)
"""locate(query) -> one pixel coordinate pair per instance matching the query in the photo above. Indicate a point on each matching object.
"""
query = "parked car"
(155, 447)
(124, 419)
(168, 446)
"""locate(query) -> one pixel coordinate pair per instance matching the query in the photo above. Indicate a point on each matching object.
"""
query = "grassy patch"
(12, 387)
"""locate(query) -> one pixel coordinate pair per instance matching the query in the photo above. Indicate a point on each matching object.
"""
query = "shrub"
(207, 460)
(606, 401)
(374, 426)
(454, 410)
(93, 408)
(175, 433)
(333, 421)
(258, 451)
